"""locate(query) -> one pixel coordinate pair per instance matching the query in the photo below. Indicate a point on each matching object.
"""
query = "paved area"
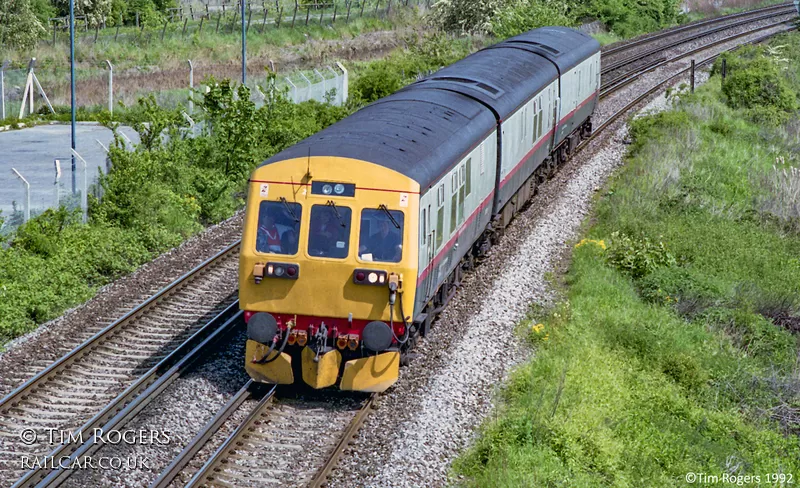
(32, 152)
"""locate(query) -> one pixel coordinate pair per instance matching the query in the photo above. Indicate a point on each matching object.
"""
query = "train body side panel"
(454, 212)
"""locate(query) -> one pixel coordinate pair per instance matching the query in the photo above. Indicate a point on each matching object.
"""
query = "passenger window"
(278, 227)
(469, 176)
(381, 235)
(329, 231)
(439, 226)
(424, 226)
(453, 210)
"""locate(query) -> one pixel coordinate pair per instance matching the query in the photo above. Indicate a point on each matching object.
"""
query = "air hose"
(264, 359)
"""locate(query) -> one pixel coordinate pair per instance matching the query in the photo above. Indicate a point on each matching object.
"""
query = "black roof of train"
(421, 130)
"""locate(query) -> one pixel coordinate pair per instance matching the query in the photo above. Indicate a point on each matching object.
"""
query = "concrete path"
(32, 152)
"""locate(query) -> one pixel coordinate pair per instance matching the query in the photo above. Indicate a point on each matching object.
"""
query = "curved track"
(279, 440)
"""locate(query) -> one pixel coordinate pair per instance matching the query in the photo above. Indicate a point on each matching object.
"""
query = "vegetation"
(675, 349)
(505, 18)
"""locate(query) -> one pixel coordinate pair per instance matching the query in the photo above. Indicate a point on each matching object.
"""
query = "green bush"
(756, 82)
(638, 256)
(379, 80)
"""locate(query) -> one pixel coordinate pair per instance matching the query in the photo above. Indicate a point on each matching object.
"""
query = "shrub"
(638, 256)
(378, 81)
(757, 83)
(523, 15)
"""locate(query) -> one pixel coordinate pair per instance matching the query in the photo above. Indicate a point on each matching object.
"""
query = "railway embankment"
(672, 356)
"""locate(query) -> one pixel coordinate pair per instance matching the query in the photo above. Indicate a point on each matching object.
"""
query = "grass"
(134, 50)
(671, 352)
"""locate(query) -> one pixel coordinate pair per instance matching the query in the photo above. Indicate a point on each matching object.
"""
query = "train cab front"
(327, 272)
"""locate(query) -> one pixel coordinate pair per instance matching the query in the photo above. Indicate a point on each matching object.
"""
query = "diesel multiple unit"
(354, 238)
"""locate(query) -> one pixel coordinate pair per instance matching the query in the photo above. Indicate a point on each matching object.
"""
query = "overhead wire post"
(72, 83)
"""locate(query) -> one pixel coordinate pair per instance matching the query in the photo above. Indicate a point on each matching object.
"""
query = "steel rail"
(623, 45)
(624, 62)
(321, 476)
(51, 372)
(212, 427)
(613, 118)
(136, 397)
(629, 78)
(200, 477)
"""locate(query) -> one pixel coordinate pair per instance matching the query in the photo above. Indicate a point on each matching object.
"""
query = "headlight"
(339, 188)
(327, 189)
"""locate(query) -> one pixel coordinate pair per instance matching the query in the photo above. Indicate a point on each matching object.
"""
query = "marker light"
(339, 188)
(291, 271)
(373, 277)
(327, 189)
(360, 276)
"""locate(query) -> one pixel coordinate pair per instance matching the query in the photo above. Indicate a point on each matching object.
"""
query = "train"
(356, 238)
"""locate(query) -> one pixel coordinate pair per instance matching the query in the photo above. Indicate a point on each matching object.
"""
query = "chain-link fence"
(221, 17)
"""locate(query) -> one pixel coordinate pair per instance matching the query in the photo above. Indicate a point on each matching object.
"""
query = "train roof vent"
(494, 92)
(544, 47)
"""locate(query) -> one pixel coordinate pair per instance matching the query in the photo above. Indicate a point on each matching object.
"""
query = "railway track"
(281, 441)
(88, 385)
(640, 54)
(278, 440)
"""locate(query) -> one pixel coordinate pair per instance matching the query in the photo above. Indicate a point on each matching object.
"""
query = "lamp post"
(244, 46)
(72, 81)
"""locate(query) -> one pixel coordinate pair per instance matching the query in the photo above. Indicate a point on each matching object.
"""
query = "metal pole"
(110, 87)
(692, 76)
(724, 68)
(3, 90)
(27, 212)
(244, 45)
(72, 82)
(191, 86)
(57, 164)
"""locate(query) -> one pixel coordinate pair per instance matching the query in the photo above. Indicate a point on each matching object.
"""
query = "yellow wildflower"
(601, 244)
(538, 328)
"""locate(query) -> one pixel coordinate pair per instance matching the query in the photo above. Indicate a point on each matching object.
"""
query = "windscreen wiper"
(387, 212)
(289, 209)
(336, 211)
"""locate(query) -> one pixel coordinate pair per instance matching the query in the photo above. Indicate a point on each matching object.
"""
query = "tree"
(19, 27)
(94, 10)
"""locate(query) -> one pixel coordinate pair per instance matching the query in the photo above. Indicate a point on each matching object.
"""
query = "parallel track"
(80, 385)
(264, 448)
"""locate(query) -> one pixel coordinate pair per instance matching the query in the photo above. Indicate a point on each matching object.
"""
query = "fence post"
(280, 15)
(110, 87)
(191, 87)
(363, 4)
(264, 21)
(344, 83)
(84, 201)
(164, 29)
(57, 164)
(377, 4)
(347, 19)
(200, 29)
(137, 20)
(692, 76)
(334, 13)
(3, 89)
(219, 18)
(249, 16)
(116, 33)
(185, 21)
(54, 32)
(295, 15)
(27, 212)
(320, 15)
(724, 68)
(308, 12)
(96, 32)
